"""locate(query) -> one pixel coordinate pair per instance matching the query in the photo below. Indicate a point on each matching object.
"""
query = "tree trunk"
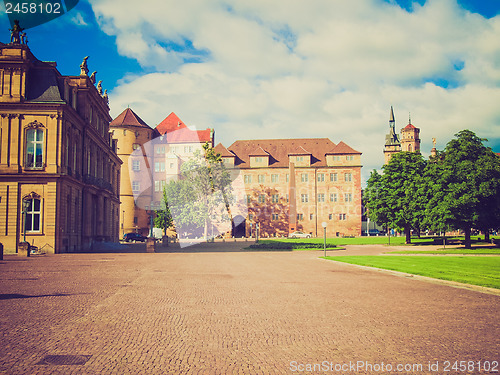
(467, 238)
(408, 235)
(486, 235)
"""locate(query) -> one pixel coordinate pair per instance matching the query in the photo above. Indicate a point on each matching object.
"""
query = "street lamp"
(26, 204)
(323, 224)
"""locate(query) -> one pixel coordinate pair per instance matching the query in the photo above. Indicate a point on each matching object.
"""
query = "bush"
(276, 245)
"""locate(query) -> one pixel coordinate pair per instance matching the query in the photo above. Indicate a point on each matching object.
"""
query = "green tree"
(397, 198)
(163, 218)
(202, 194)
(466, 185)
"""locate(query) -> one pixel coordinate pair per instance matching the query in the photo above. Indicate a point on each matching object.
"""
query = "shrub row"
(290, 245)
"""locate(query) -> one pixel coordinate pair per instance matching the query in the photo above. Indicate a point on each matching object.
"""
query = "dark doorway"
(239, 226)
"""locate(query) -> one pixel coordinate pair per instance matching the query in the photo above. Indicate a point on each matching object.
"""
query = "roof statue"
(434, 142)
(99, 87)
(15, 33)
(83, 67)
(105, 96)
(92, 77)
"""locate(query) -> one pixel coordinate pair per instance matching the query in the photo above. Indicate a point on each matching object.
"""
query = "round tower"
(132, 133)
(410, 138)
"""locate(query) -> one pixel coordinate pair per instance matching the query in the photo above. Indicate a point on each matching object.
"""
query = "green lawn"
(483, 271)
(476, 251)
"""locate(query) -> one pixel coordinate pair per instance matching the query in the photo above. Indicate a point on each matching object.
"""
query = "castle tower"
(132, 133)
(410, 138)
(392, 143)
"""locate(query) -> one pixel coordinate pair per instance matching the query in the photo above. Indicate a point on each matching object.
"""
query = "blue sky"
(294, 68)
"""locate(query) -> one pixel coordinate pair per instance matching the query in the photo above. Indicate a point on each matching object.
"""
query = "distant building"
(296, 184)
(56, 155)
(409, 140)
(161, 151)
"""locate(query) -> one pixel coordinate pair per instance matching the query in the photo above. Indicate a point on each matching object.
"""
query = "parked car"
(134, 237)
(299, 234)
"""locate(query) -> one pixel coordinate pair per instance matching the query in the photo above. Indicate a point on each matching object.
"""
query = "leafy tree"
(202, 194)
(163, 218)
(466, 185)
(397, 198)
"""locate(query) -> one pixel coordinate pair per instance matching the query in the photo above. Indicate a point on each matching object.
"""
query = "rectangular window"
(310, 216)
(304, 177)
(157, 185)
(171, 165)
(321, 198)
(34, 148)
(330, 216)
(300, 217)
(262, 198)
(321, 177)
(299, 158)
(287, 177)
(276, 217)
(348, 197)
(248, 179)
(136, 165)
(275, 198)
(250, 217)
(33, 212)
(249, 199)
(304, 198)
(333, 177)
(262, 178)
(348, 177)
(135, 220)
(342, 216)
(274, 178)
(136, 186)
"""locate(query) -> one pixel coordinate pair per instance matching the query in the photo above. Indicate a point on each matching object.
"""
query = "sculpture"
(15, 31)
(99, 87)
(105, 96)
(83, 67)
(92, 77)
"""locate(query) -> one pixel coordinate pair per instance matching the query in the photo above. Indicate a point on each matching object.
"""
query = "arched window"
(409, 148)
(34, 149)
(33, 215)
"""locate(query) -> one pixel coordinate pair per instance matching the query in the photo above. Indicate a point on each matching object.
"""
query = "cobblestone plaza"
(218, 309)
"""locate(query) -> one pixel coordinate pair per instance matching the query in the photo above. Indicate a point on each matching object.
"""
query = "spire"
(392, 121)
(409, 117)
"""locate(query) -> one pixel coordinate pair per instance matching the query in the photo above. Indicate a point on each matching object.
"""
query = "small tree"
(163, 217)
(202, 194)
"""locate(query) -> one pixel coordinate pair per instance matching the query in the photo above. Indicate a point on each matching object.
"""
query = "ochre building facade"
(297, 184)
(56, 155)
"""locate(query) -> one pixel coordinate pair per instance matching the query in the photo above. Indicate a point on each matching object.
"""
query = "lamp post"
(323, 224)
(26, 204)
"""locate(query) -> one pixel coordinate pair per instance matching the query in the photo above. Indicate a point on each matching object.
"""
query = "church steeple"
(392, 143)
(392, 121)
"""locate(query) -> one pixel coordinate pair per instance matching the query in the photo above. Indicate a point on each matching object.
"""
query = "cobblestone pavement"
(216, 309)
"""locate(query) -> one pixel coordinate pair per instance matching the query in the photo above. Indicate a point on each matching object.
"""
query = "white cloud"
(309, 69)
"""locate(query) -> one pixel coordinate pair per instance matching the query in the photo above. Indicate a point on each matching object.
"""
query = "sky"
(255, 69)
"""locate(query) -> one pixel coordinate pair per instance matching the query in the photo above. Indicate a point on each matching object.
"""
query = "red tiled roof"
(410, 126)
(342, 148)
(223, 151)
(279, 149)
(178, 132)
(299, 151)
(259, 151)
(128, 118)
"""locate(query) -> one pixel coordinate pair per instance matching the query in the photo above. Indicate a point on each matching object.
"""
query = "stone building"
(56, 154)
(151, 158)
(296, 184)
(409, 140)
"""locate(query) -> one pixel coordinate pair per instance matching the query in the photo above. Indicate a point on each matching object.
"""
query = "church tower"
(410, 138)
(392, 143)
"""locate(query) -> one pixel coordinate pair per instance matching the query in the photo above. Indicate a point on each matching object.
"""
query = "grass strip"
(482, 271)
(478, 251)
